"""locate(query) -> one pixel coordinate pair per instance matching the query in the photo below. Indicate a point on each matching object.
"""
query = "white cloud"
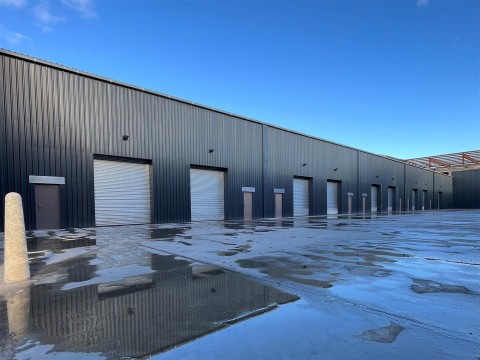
(14, 3)
(11, 37)
(85, 7)
(422, 3)
(44, 15)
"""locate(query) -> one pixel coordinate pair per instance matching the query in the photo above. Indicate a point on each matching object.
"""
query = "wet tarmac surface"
(397, 286)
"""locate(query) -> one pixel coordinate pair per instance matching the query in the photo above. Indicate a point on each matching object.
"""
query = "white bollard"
(16, 266)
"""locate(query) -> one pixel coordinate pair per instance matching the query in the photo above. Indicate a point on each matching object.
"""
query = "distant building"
(84, 150)
(465, 169)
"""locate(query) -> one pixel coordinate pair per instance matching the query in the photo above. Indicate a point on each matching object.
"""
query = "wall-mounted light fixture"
(393, 178)
(335, 169)
(377, 176)
(125, 137)
(210, 151)
(304, 164)
(426, 184)
(416, 182)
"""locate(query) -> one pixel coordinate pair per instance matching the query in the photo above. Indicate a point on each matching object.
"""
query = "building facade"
(84, 150)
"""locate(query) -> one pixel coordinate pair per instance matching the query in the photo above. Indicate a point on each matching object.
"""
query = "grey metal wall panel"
(122, 193)
(466, 186)
(443, 184)
(288, 152)
(54, 120)
(383, 172)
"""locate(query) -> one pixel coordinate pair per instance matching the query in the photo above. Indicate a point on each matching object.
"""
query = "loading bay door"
(300, 197)
(122, 193)
(414, 198)
(332, 198)
(375, 198)
(207, 194)
(391, 198)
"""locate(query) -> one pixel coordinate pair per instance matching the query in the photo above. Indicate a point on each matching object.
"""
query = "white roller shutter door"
(122, 193)
(300, 197)
(374, 199)
(414, 199)
(332, 198)
(390, 199)
(206, 194)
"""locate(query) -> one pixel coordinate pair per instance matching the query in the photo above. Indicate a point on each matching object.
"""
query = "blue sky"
(394, 77)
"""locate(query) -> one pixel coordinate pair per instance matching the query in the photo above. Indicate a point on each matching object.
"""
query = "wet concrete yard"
(388, 287)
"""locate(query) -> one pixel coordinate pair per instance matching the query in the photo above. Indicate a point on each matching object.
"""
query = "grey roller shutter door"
(300, 197)
(206, 194)
(332, 198)
(122, 193)
(390, 199)
(374, 199)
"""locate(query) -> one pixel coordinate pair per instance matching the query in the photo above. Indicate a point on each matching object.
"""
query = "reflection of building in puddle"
(165, 233)
(57, 240)
(80, 269)
(142, 315)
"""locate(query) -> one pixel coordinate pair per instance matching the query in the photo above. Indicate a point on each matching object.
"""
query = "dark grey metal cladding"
(466, 185)
(443, 184)
(287, 154)
(417, 178)
(55, 121)
(375, 170)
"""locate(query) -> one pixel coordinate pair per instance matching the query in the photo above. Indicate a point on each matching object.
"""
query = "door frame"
(46, 180)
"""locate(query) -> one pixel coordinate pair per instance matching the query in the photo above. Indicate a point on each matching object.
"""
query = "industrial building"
(464, 167)
(88, 151)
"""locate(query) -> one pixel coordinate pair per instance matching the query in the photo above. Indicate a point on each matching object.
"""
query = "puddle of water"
(285, 269)
(136, 316)
(162, 233)
(385, 335)
(60, 241)
(431, 287)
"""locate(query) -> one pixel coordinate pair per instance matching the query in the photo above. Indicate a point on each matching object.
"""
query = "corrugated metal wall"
(466, 185)
(375, 170)
(54, 120)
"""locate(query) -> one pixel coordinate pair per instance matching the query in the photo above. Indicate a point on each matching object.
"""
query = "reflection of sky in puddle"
(136, 315)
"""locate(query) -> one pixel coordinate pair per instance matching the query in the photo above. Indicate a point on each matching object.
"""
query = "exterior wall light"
(393, 178)
(125, 137)
(335, 169)
(210, 151)
(304, 164)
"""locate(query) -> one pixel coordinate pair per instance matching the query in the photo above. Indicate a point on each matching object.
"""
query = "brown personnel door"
(47, 206)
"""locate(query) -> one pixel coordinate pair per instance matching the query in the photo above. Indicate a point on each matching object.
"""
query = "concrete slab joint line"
(16, 256)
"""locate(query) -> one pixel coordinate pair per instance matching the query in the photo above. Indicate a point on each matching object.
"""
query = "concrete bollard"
(18, 312)
(16, 266)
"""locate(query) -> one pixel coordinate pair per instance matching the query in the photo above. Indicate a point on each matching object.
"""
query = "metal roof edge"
(156, 93)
